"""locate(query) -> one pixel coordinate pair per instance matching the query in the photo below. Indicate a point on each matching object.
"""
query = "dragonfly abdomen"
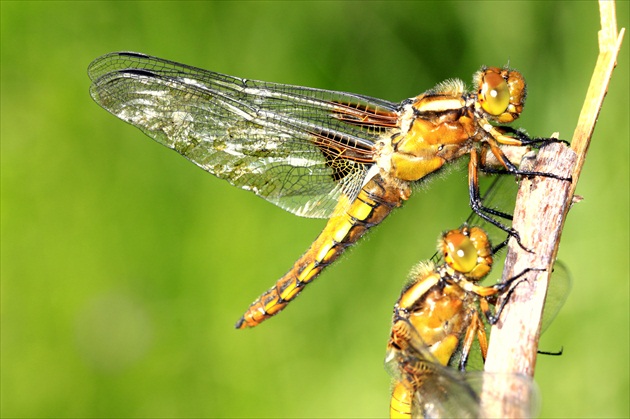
(374, 202)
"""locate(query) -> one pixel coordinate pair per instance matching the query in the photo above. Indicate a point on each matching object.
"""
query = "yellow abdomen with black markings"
(375, 201)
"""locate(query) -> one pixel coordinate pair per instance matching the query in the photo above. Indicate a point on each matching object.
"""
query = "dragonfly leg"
(469, 338)
(517, 138)
(476, 202)
(552, 353)
(493, 319)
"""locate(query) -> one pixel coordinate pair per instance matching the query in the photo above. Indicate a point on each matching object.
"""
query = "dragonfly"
(440, 316)
(317, 153)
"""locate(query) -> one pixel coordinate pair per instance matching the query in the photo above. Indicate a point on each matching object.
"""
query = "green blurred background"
(124, 267)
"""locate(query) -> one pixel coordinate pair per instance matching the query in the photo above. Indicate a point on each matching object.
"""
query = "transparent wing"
(298, 148)
(447, 393)
(442, 392)
(557, 294)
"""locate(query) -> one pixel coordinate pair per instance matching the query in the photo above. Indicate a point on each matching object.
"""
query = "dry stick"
(541, 208)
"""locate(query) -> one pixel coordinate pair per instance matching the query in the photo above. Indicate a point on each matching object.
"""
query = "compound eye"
(461, 253)
(494, 94)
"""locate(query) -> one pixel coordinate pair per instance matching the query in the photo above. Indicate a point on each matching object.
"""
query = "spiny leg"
(469, 338)
(493, 319)
(476, 202)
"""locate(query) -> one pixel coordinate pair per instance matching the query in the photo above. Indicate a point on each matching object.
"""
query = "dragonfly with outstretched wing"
(315, 153)
(441, 319)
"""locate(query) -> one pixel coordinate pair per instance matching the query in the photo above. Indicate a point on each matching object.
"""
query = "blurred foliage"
(124, 267)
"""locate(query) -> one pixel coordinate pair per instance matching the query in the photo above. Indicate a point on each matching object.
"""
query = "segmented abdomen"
(374, 202)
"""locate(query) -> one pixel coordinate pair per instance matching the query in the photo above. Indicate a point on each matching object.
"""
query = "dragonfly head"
(500, 94)
(467, 250)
